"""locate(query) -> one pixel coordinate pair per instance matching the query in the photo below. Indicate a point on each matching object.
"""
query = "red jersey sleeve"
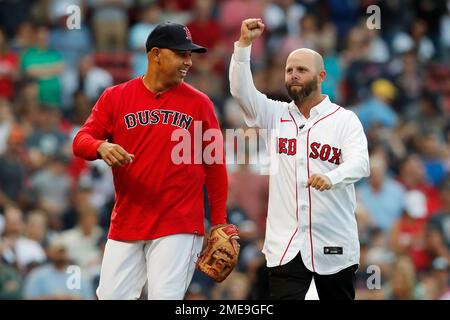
(216, 174)
(96, 129)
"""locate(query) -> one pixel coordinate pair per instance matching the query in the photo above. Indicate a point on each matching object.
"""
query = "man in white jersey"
(321, 151)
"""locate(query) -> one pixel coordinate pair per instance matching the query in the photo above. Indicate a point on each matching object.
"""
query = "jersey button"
(304, 207)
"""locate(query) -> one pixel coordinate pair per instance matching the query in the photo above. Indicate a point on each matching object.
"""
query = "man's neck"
(154, 83)
(308, 103)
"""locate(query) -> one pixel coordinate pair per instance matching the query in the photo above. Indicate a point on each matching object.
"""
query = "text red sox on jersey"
(323, 151)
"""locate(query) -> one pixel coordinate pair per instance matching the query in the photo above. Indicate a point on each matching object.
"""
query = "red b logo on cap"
(188, 33)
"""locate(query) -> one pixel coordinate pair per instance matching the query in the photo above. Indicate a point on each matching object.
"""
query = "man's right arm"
(90, 142)
(257, 108)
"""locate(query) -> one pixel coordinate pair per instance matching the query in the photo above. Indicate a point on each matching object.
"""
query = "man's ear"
(155, 54)
(322, 75)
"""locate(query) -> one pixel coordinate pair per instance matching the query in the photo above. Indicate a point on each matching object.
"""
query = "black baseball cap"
(172, 36)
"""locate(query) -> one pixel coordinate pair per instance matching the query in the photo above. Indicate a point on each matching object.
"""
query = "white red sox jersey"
(321, 225)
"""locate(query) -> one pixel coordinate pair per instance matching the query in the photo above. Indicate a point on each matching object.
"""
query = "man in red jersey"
(157, 226)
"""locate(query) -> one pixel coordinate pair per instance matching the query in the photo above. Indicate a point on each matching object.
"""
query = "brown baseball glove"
(220, 255)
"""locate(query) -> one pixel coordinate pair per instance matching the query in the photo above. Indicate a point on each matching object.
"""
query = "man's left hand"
(319, 182)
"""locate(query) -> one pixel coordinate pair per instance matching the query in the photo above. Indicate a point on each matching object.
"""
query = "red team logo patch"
(188, 33)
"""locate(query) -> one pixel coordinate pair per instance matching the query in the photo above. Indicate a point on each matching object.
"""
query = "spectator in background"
(444, 35)
(344, 15)
(431, 13)
(377, 109)
(18, 251)
(377, 254)
(82, 241)
(13, 14)
(46, 66)
(93, 80)
(51, 188)
(10, 282)
(27, 103)
(250, 191)
(36, 227)
(332, 63)
(434, 155)
(6, 123)
(73, 43)
(47, 138)
(416, 38)
(441, 272)
(402, 282)
(282, 19)
(110, 22)
(438, 233)
(9, 67)
(308, 37)
(256, 272)
(208, 70)
(23, 37)
(408, 76)
(235, 287)
(13, 170)
(87, 78)
(408, 232)
(182, 5)
(413, 177)
(81, 110)
(427, 115)
(231, 14)
(82, 195)
(381, 196)
(52, 281)
(248, 234)
(196, 292)
(361, 71)
(98, 178)
(176, 11)
(150, 16)
(378, 48)
(356, 46)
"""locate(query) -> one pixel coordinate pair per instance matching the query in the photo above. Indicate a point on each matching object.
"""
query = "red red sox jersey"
(321, 225)
(155, 197)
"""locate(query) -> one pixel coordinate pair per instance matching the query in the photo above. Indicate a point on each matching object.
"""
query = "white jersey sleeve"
(259, 111)
(355, 157)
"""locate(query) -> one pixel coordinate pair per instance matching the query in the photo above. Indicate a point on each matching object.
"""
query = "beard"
(303, 92)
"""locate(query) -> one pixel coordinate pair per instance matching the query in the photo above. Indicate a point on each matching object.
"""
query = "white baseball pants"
(166, 263)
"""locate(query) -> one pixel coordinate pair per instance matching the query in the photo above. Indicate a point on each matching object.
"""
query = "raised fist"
(250, 30)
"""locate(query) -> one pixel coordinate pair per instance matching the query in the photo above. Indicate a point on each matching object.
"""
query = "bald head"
(307, 57)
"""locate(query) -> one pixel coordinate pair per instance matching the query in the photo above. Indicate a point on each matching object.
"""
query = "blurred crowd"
(55, 208)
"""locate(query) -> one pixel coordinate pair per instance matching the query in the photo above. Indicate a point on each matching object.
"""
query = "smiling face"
(303, 74)
(173, 65)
